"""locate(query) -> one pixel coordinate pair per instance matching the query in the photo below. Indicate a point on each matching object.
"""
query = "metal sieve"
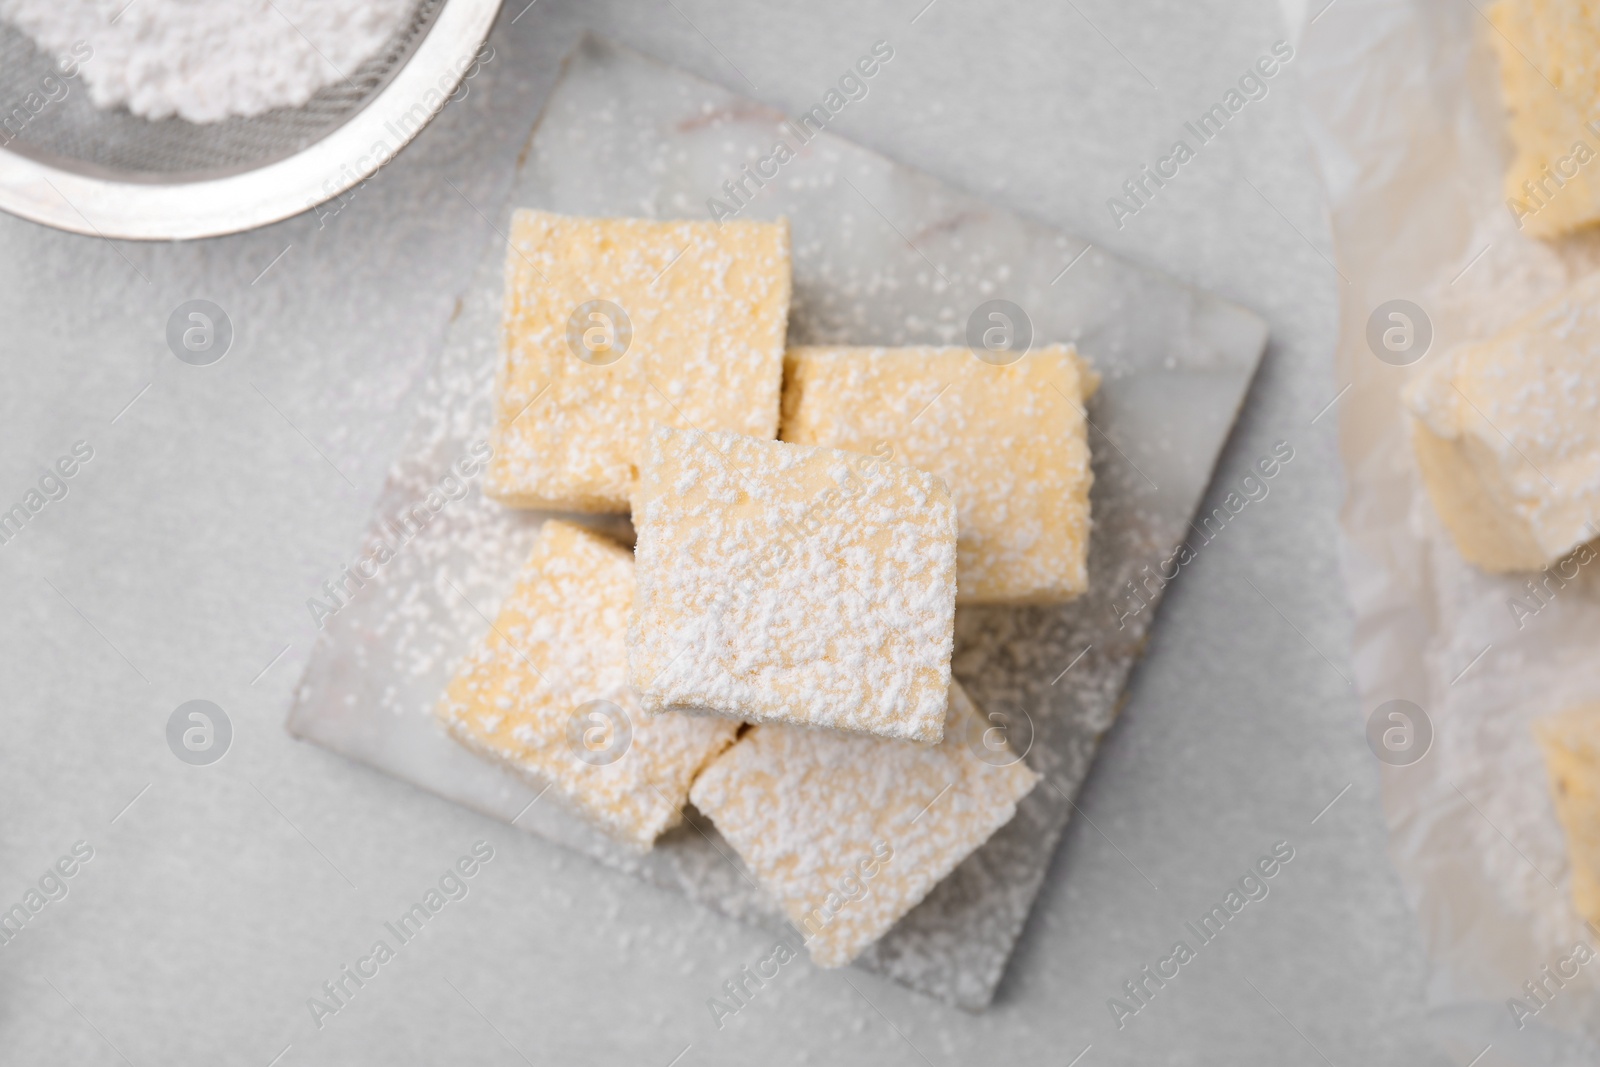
(110, 173)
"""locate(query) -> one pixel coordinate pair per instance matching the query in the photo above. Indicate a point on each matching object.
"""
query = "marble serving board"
(882, 255)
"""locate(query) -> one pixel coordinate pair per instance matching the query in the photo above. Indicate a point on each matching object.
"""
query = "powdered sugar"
(206, 60)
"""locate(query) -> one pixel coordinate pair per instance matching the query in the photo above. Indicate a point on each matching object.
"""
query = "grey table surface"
(220, 898)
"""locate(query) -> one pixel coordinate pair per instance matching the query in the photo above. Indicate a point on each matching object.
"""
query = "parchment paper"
(1407, 120)
(882, 255)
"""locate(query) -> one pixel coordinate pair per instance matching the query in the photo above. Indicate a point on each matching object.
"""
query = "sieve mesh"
(73, 133)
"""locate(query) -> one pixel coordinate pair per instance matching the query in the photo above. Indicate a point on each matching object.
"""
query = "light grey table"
(219, 899)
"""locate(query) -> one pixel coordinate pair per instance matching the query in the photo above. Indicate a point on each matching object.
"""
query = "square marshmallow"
(611, 325)
(791, 584)
(546, 695)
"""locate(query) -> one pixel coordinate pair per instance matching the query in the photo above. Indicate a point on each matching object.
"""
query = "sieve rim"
(85, 200)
